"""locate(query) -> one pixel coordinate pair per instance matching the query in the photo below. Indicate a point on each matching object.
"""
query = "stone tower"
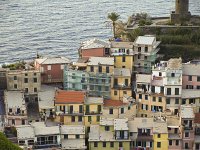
(182, 12)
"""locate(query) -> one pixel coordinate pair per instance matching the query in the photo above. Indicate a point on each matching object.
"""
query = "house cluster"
(116, 96)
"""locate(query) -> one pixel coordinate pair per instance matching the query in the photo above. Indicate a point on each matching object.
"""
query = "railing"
(188, 128)
(93, 113)
(145, 137)
(122, 87)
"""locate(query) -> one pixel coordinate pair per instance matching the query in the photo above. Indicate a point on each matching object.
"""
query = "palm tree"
(113, 17)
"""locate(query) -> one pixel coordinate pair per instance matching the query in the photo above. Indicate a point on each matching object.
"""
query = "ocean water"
(57, 27)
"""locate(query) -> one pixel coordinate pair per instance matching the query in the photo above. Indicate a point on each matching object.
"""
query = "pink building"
(51, 68)
(94, 48)
(191, 75)
(16, 113)
(187, 120)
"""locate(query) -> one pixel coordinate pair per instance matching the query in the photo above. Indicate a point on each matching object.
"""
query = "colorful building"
(123, 54)
(145, 48)
(69, 107)
(94, 48)
(51, 68)
(110, 135)
(121, 84)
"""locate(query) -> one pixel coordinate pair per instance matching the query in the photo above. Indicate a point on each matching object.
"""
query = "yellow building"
(160, 136)
(69, 107)
(121, 83)
(92, 111)
(100, 65)
(123, 54)
(110, 135)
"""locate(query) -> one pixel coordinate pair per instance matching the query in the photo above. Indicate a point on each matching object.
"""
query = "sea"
(57, 27)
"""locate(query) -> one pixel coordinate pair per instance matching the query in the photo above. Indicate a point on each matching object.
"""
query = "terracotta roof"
(69, 96)
(197, 118)
(114, 103)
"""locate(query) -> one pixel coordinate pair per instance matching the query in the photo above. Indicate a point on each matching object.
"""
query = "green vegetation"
(15, 66)
(113, 17)
(5, 144)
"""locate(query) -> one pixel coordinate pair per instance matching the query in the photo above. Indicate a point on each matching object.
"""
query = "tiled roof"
(113, 103)
(53, 60)
(94, 43)
(145, 40)
(69, 96)
(101, 61)
(197, 118)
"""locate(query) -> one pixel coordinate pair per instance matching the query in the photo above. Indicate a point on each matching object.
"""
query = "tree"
(113, 17)
(5, 144)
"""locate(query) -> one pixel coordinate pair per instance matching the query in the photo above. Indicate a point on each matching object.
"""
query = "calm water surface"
(56, 27)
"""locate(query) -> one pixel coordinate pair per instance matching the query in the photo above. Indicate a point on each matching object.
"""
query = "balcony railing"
(121, 87)
(188, 128)
(69, 113)
(143, 137)
(93, 113)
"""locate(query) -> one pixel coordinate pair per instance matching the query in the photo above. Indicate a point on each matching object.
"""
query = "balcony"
(145, 137)
(120, 87)
(70, 113)
(93, 113)
(188, 128)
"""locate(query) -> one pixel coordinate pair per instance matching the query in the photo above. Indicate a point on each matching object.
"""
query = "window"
(168, 100)
(73, 85)
(107, 128)
(104, 144)
(107, 51)
(35, 89)
(73, 119)
(140, 96)
(49, 67)
(21, 142)
(177, 142)
(91, 68)
(10, 109)
(183, 101)
(36, 99)
(65, 136)
(122, 110)
(80, 108)
(145, 57)
(123, 59)
(89, 119)
(198, 78)
(61, 67)
(176, 101)
(189, 86)
(146, 48)
(111, 111)
(26, 74)
(79, 118)
(26, 90)
(95, 144)
(154, 99)
(115, 92)
(186, 146)
(160, 74)
(13, 121)
(91, 87)
(139, 56)
(120, 144)
(123, 66)
(198, 86)
(186, 134)
(107, 69)
(77, 136)
(15, 77)
(170, 142)
(146, 97)
(124, 92)
(25, 80)
(158, 144)
(111, 144)
(189, 78)
(160, 99)
(139, 49)
(98, 118)
(168, 91)
(115, 82)
(100, 68)
(35, 80)
(126, 82)
(172, 74)
(191, 101)
(159, 135)
(176, 91)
